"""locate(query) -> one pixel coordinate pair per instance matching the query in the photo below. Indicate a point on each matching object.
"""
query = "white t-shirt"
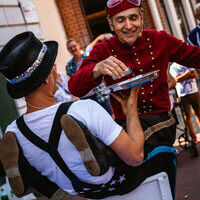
(185, 87)
(89, 113)
(171, 98)
(61, 95)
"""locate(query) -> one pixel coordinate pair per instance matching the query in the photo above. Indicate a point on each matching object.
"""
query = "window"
(94, 11)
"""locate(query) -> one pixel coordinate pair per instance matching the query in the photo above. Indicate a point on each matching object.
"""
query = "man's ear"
(110, 22)
(46, 81)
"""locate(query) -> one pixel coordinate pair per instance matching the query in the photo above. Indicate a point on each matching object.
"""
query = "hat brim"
(38, 77)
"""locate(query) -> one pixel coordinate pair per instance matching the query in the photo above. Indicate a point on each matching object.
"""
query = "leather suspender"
(56, 128)
(51, 147)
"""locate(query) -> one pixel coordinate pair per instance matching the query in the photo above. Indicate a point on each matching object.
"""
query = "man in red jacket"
(143, 51)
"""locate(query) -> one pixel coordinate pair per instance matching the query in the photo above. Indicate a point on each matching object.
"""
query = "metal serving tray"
(129, 83)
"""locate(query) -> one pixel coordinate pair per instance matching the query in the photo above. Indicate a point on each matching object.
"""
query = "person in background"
(77, 59)
(62, 94)
(187, 90)
(194, 36)
(172, 84)
(100, 38)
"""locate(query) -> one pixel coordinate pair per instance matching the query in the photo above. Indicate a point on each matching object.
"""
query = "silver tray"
(129, 83)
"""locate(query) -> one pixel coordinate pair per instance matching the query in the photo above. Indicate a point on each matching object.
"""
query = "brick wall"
(74, 21)
(75, 24)
(148, 19)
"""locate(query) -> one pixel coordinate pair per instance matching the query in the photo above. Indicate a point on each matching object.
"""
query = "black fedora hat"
(26, 63)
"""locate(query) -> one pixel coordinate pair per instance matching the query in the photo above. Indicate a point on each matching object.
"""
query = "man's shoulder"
(154, 33)
(196, 29)
(101, 48)
(71, 61)
(12, 126)
(192, 37)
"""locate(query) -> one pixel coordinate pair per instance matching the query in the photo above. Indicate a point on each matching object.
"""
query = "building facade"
(43, 18)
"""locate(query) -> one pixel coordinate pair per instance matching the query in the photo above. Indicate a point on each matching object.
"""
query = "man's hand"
(130, 147)
(128, 99)
(188, 74)
(110, 66)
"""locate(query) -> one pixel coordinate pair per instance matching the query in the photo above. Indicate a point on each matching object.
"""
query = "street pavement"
(188, 175)
(188, 178)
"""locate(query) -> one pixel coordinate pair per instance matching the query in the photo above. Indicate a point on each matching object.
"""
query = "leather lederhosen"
(159, 129)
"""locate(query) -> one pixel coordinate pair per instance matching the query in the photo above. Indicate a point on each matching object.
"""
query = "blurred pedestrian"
(78, 56)
(77, 59)
(194, 36)
(187, 90)
(172, 92)
(62, 94)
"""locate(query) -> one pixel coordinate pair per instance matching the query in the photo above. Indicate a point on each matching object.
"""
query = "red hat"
(124, 5)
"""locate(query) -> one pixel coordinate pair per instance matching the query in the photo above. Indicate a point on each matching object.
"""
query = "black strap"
(56, 128)
(49, 148)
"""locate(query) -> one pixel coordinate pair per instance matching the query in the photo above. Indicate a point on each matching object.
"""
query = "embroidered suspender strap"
(49, 148)
(157, 127)
(56, 126)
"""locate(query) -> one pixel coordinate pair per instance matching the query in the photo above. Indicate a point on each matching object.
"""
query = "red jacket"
(152, 51)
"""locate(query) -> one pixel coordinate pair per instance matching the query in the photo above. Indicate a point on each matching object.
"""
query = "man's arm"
(130, 147)
(193, 37)
(95, 41)
(186, 75)
(82, 82)
(171, 80)
(93, 69)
